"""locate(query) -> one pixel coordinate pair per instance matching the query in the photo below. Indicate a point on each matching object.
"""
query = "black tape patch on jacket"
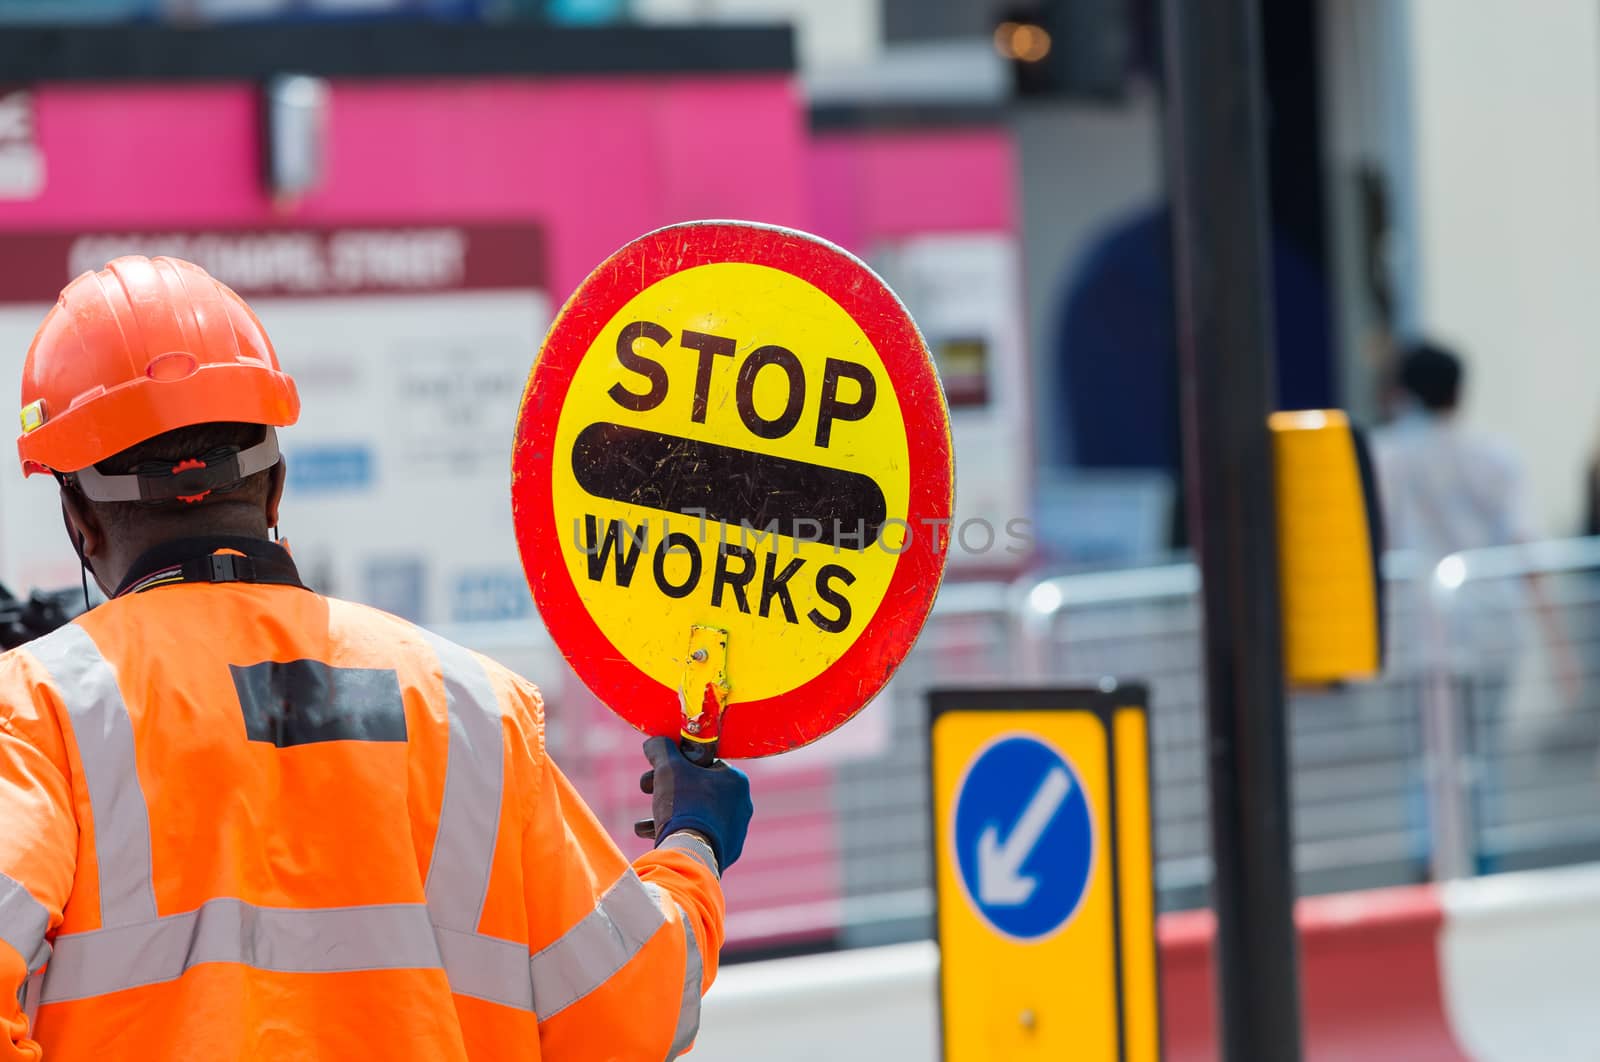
(302, 702)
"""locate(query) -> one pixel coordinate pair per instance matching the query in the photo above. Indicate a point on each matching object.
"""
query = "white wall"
(1505, 102)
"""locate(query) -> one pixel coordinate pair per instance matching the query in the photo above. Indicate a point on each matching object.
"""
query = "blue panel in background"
(397, 585)
(331, 468)
(66, 11)
(331, 10)
(490, 594)
(586, 12)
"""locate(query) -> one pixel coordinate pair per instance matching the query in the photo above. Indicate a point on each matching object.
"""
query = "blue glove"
(712, 801)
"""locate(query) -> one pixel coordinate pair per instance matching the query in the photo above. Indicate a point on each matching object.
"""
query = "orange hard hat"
(141, 347)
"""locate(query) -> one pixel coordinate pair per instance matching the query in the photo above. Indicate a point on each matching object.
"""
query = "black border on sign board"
(1377, 534)
(384, 48)
(1103, 702)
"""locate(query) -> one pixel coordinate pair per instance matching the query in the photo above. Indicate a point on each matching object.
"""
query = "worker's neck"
(122, 550)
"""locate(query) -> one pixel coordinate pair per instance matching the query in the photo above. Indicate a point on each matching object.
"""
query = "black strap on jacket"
(210, 559)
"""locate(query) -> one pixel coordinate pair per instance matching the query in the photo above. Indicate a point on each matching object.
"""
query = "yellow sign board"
(1329, 545)
(734, 428)
(1044, 867)
(746, 404)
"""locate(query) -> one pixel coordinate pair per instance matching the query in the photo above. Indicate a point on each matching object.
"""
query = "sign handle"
(704, 694)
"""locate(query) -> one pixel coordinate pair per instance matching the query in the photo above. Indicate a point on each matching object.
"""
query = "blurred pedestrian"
(1446, 489)
(245, 820)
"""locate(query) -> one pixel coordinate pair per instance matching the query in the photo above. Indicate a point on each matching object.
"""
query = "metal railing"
(1475, 751)
(1519, 682)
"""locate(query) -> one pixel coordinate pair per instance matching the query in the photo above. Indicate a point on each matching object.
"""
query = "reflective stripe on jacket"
(246, 821)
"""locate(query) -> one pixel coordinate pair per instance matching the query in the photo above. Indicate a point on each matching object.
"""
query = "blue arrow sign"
(1024, 837)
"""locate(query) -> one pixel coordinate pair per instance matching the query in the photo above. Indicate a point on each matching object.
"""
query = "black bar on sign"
(799, 500)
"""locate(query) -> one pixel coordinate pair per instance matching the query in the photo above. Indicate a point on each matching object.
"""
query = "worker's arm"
(38, 844)
(699, 816)
(621, 954)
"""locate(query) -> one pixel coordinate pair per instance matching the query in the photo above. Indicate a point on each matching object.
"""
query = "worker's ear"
(276, 476)
(83, 523)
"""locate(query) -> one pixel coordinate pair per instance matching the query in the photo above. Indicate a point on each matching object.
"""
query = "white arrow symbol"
(999, 883)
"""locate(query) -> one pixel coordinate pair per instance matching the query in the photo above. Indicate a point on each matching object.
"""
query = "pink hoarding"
(596, 162)
(876, 184)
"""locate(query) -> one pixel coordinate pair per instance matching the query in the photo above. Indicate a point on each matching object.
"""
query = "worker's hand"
(712, 801)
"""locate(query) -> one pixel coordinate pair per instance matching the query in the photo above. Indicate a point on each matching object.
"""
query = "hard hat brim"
(111, 421)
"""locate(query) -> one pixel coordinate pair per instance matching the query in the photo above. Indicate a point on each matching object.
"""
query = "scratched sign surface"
(736, 426)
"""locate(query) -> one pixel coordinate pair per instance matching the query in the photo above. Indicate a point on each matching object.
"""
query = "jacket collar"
(210, 559)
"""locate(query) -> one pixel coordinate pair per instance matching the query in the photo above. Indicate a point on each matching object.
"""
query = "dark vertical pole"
(1216, 163)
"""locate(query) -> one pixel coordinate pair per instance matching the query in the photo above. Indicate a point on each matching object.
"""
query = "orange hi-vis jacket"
(239, 820)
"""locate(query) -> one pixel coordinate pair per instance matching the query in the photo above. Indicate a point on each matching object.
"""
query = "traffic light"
(1065, 48)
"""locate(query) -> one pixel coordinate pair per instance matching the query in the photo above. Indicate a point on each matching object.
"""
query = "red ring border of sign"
(864, 668)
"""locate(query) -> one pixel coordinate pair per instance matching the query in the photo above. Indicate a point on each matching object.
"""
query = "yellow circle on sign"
(757, 370)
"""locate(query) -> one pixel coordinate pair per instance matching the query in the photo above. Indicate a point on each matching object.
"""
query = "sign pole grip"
(704, 694)
(705, 687)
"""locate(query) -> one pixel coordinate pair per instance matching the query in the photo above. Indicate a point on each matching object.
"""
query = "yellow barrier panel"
(1041, 803)
(1327, 549)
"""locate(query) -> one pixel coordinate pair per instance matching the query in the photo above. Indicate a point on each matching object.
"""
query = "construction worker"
(244, 821)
